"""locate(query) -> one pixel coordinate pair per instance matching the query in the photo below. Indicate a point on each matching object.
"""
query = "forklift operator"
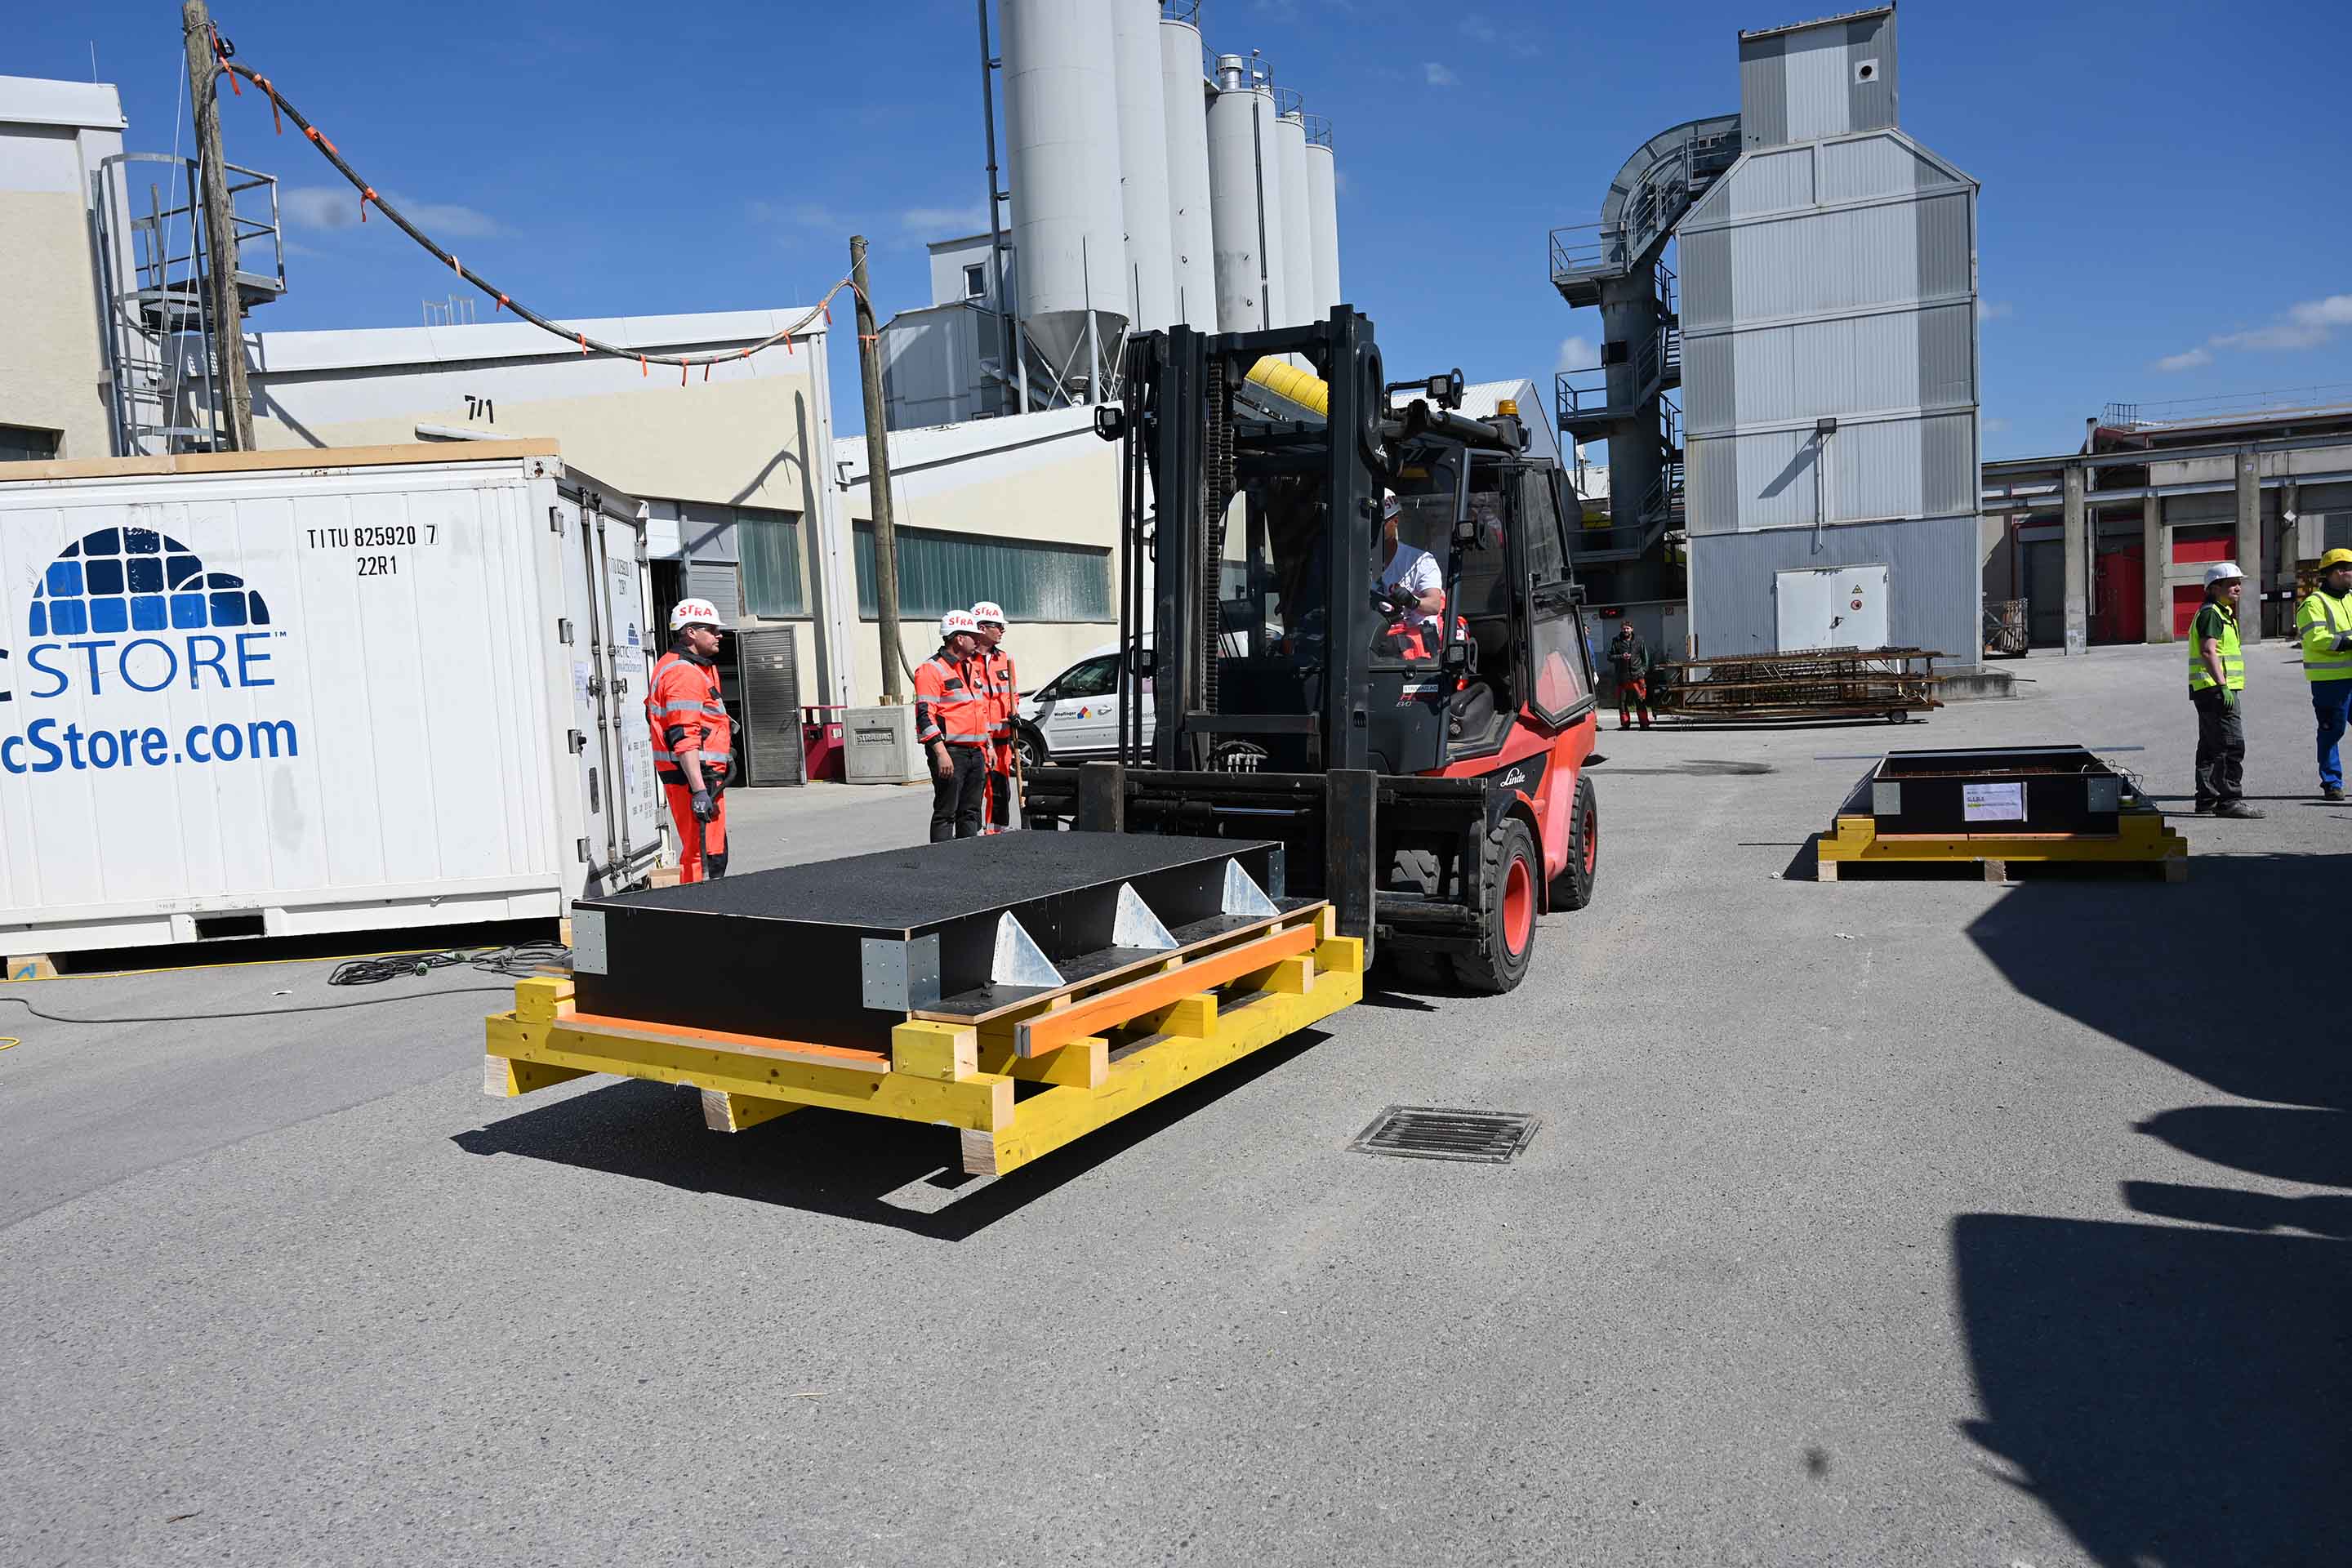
(1412, 584)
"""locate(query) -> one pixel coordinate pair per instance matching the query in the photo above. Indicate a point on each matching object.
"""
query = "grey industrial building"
(2110, 543)
(1819, 482)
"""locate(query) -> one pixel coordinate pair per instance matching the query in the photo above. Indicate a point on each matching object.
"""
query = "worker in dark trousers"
(1629, 658)
(1004, 692)
(2322, 625)
(693, 739)
(951, 726)
(2217, 683)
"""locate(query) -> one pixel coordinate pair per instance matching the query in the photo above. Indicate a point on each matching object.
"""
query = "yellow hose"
(1287, 380)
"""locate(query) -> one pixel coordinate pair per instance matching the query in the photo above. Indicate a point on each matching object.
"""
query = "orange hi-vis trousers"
(704, 855)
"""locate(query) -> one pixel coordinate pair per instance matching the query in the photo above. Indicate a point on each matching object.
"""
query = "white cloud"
(1992, 309)
(2304, 325)
(1437, 75)
(1477, 28)
(338, 206)
(1577, 354)
(945, 221)
(1995, 427)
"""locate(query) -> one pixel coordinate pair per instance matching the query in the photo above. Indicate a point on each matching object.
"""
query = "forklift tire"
(1572, 889)
(1508, 881)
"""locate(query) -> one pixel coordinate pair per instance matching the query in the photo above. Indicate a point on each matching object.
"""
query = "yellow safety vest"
(2233, 660)
(2318, 621)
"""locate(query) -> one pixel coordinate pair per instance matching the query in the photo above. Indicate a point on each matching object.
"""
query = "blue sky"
(2164, 212)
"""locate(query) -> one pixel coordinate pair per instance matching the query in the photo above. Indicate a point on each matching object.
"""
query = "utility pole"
(878, 477)
(226, 310)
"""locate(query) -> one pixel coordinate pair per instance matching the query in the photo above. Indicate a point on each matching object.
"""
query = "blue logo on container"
(137, 580)
(129, 612)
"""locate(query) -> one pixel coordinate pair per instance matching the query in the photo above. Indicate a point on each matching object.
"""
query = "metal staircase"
(1626, 400)
(164, 381)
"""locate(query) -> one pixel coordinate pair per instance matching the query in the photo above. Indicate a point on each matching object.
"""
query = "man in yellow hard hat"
(2322, 624)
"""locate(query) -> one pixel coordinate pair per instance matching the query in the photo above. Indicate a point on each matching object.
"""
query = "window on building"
(23, 444)
(975, 281)
(769, 543)
(1033, 581)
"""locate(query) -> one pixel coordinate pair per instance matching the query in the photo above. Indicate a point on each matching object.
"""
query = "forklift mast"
(1183, 433)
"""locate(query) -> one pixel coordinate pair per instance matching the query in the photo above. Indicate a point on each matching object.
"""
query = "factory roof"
(280, 353)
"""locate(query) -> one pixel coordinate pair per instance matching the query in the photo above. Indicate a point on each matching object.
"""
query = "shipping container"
(278, 693)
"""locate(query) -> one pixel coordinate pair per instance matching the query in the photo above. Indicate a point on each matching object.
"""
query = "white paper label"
(1993, 801)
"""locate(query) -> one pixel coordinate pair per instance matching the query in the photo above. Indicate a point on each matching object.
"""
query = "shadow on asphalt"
(832, 1163)
(2176, 1394)
(2172, 1396)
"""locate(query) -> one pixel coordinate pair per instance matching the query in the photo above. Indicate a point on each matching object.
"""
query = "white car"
(1074, 716)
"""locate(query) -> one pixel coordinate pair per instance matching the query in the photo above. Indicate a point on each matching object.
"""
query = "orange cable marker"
(681, 372)
(277, 124)
(788, 340)
(367, 194)
(494, 310)
(455, 267)
(584, 344)
(640, 366)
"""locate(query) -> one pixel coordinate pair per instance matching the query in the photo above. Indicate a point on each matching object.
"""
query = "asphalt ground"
(1879, 1222)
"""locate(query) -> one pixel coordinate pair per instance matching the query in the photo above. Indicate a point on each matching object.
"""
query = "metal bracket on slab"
(588, 950)
(1885, 798)
(1019, 960)
(1134, 925)
(897, 975)
(1243, 895)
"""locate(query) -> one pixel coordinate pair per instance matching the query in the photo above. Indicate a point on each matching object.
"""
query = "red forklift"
(1422, 770)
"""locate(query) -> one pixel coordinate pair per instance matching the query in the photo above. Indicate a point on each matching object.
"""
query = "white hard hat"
(956, 621)
(1389, 505)
(695, 613)
(2221, 571)
(987, 610)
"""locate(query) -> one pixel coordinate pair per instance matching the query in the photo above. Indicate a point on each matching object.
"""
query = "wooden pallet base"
(30, 966)
(958, 1076)
(2142, 839)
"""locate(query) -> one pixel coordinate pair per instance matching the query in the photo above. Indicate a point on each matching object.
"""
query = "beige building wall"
(1044, 477)
(733, 443)
(52, 362)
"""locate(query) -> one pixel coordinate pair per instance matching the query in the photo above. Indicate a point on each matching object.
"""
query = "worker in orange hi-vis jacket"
(951, 718)
(693, 739)
(995, 667)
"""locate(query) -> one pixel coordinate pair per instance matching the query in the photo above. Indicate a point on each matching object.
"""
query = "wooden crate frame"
(1100, 1053)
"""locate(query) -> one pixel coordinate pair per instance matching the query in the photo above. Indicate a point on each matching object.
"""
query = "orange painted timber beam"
(1051, 1031)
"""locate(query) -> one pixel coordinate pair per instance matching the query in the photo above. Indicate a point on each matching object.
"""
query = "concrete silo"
(1191, 232)
(1297, 229)
(1323, 214)
(1246, 199)
(1143, 161)
(1061, 113)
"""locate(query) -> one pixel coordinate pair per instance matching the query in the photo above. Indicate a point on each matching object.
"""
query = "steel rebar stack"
(1808, 683)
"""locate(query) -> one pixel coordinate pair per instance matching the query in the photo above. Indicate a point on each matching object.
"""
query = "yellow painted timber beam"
(1044, 1122)
(982, 1101)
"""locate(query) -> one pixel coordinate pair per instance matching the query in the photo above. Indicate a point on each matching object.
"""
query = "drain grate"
(1431, 1132)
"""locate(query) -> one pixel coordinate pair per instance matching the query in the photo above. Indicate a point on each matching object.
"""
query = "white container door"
(611, 670)
(1842, 606)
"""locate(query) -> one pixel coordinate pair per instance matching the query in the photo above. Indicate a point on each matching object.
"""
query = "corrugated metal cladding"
(1831, 276)
(716, 580)
(1934, 583)
(1820, 79)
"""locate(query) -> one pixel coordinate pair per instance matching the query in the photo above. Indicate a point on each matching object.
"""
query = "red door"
(2122, 597)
